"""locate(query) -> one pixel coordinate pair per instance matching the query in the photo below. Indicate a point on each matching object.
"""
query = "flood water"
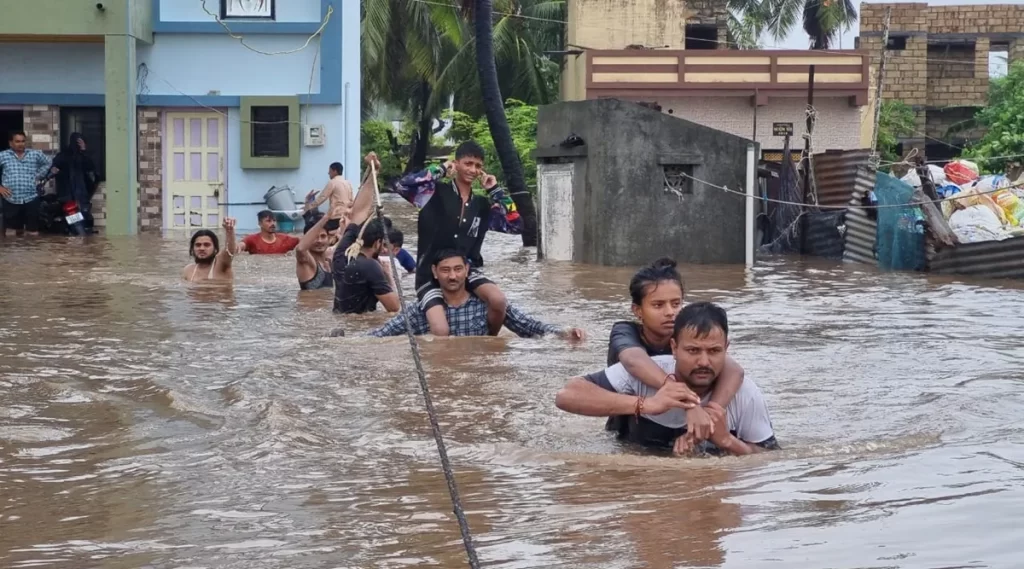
(147, 424)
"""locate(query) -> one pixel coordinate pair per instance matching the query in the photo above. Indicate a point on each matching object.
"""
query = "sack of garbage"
(947, 190)
(1009, 202)
(977, 223)
(970, 197)
(961, 172)
(912, 178)
(938, 175)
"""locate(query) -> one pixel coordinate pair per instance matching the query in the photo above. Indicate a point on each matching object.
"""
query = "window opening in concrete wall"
(701, 36)
(896, 43)
(270, 131)
(998, 60)
(949, 60)
(678, 179)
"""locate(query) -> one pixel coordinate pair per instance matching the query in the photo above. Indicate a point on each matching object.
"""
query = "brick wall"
(42, 127)
(837, 127)
(150, 171)
(975, 18)
(939, 123)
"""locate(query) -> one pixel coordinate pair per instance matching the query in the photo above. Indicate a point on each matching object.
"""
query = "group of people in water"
(670, 383)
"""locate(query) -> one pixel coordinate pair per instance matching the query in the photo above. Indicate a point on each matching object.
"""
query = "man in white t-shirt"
(699, 346)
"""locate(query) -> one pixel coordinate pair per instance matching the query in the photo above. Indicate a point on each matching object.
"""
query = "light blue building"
(193, 109)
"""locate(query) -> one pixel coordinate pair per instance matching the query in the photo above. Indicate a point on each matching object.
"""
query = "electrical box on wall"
(313, 135)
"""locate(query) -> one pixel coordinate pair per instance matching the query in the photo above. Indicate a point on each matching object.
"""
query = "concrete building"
(938, 63)
(186, 111)
(625, 194)
(676, 57)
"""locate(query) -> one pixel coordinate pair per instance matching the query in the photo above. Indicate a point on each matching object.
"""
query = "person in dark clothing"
(75, 177)
(364, 280)
(453, 217)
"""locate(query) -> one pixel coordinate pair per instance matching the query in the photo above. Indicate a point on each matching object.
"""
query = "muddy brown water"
(147, 424)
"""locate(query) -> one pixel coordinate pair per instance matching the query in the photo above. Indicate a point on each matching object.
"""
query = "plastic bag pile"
(978, 208)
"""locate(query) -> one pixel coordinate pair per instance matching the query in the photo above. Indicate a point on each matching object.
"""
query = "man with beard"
(658, 416)
(313, 254)
(211, 262)
(466, 313)
(365, 280)
(268, 241)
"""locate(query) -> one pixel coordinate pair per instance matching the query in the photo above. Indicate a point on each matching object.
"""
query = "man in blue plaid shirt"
(467, 314)
(20, 169)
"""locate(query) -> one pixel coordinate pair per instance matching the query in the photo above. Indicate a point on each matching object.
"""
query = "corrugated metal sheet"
(824, 233)
(989, 259)
(861, 230)
(835, 174)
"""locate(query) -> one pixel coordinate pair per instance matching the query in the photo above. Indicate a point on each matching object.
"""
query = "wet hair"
(664, 269)
(312, 218)
(469, 149)
(373, 232)
(13, 133)
(396, 237)
(203, 233)
(337, 167)
(701, 317)
(264, 214)
(445, 254)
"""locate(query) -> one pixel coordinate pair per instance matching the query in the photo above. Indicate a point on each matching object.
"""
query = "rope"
(353, 250)
(435, 427)
(953, 197)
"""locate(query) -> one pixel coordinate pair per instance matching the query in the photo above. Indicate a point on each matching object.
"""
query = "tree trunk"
(420, 143)
(494, 107)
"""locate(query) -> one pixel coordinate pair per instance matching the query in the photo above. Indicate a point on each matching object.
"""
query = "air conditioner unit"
(313, 135)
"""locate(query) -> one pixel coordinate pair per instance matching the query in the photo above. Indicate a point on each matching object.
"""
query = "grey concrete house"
(618, 185)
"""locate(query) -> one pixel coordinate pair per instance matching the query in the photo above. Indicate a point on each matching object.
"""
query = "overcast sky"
(798, 39)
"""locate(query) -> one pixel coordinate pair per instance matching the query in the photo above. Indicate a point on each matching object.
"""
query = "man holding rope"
(453, 217)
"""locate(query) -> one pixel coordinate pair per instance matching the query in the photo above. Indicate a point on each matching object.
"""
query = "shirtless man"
(211, 262)
(314, 252)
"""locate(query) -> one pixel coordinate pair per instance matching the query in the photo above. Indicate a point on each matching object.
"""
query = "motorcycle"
(61, 218)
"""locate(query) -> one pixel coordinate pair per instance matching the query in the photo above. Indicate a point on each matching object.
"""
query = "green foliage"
(522, 121)
(374, 138)
(896, 120)
(1004, 119)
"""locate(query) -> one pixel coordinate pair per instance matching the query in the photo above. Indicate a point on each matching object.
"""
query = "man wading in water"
(211, 262)
(658, 416)
(313, 253)
(657, 294)
(452, 217)
(467, 314)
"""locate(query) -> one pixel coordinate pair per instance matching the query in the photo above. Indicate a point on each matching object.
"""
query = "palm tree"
(823, 20)
(482, 14)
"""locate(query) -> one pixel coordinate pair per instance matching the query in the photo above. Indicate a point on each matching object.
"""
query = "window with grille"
(270, 131)
(678, 179)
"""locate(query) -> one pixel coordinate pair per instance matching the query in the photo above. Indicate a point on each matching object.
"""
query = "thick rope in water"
(435, 427)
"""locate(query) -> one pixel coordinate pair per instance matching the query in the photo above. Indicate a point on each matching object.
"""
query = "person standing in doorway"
(267, 241)
(20, 171)
(338, 192)
(75, 177)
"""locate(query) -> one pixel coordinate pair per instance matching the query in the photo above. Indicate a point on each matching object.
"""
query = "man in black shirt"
(453, 217)
(364, 280)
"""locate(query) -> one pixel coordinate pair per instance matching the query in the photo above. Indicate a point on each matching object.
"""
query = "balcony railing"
(761, 73)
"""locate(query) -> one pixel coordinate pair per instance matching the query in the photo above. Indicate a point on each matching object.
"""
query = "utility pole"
(810, 132)
(878, 86)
